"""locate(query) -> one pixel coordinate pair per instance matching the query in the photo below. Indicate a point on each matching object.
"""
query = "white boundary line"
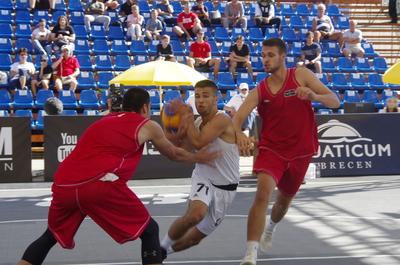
(240, 216)
(259, 260)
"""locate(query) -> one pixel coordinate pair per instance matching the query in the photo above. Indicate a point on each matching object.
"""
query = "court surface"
(341, 221)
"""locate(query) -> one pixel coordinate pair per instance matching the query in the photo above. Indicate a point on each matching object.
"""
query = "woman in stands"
(392, 105)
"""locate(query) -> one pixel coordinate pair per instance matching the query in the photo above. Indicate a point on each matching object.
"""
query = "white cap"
(243, 86)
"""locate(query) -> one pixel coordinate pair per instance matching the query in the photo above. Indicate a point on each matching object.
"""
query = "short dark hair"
(23, 50)
(275, 42)
(53, 106)
(206, 83)
(134, 99)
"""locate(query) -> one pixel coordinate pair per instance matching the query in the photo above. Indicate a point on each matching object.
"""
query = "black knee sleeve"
(151, 250)
(37, 251)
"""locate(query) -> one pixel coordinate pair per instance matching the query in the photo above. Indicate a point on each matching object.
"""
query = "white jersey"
(226, 167)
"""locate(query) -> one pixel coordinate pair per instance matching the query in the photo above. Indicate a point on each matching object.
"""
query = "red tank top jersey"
(110, 145)
(288, 123)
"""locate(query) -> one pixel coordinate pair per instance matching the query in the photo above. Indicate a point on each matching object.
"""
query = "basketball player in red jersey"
(91, 181)
(287, 141)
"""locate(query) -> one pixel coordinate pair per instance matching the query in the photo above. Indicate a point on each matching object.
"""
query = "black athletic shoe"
(163, 254)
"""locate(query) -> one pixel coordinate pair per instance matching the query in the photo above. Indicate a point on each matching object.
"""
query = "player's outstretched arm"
(211, 131)
(313, 89)
(152, 131)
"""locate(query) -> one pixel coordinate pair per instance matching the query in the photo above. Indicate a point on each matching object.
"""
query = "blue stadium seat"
(68, 99)
(358, 81)
(90, 112)
(6, 46)
(221, 34)
(139, 59)
(26, 113)
(302, 10)
(119, 47)
(177, 48)
(328, 65)
(208, 34)
(86, 81)
(6, 16)
(333, 10)
(380, 64)
(225, 48)
(4, 113)
(24, 43)
(375, 82)
(238, 32)
(40, 120)
(97, 32)
(342, 23)
(113, 15)
(171, 95)
(77, 18)
(23, 99)
(69, 112)
(302, 34)
(82, 47)
(5, 62)
(75, 5)
(387, 93)
(289, 35)
(56, 15)
(6, 4)
(103, 63)
(369, 50)
(362, 65)
(340, 82)
(154, 99)
(220, 102)
(60, 5)
(214, 48)
(325, 111)
(287, 10)
(290, 62)
(41, 97)
(332, 49)
(245, 78)
(372, 97)
(103, 79)
(88, 99)
(116, 33)
(324, 79)
(84, 62)
(40, 14)
(5, 99)
(23, 31)
(103, 98)
(177, 7)
(256, 64)
(80, 32)
(122, 63)
(295, 49)
(271, 33)
(284, 23)
(225, 81)
(261, 76)
(345, 65)
(101, 47)
(152, 49)
(138, 48)
(255, 35)
(296, 22)
(23, 16)
(351, 96)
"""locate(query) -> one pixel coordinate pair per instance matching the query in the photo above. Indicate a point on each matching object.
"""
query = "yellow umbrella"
(159, 73)
(392, 75)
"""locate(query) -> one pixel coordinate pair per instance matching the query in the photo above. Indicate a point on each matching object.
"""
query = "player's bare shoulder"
(228, 135)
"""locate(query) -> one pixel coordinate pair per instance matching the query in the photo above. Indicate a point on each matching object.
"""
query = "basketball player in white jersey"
(213, 186)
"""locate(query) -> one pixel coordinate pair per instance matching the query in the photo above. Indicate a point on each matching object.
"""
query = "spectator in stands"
(95, 12)
(40, 37)
(200, 55)
(188, 24)
(43, 78)
(67, 67)
(234, 15)
(392, 105)
(323, 27)
(62, 34)
(154, 26)
(53, 106)
(134, 24)
(352, 41)
(202, 13)
(166, 12)
(126, 8)
(42, 4)
(265, 14)
(21, 72)
(215, 14)
(393, 10)
(164, 50)
(111, 4)
(236, 101)
(191, 102)
(240, 56)
(311, 54)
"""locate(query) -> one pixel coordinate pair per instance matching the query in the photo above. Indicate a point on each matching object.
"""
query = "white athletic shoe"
(249, 259)
(266, 241)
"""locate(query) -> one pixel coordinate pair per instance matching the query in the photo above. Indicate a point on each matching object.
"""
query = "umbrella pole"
(160, 91)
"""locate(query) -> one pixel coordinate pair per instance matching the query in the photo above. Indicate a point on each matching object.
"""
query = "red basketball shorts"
(112, 205)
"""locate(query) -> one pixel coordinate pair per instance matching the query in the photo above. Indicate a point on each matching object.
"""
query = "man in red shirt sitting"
(188, 24)
(67, 67)
(200, 55)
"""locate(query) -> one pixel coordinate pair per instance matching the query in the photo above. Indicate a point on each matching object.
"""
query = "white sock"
(271, 226)
(252, 246)
(167, 243)
(170, 250)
